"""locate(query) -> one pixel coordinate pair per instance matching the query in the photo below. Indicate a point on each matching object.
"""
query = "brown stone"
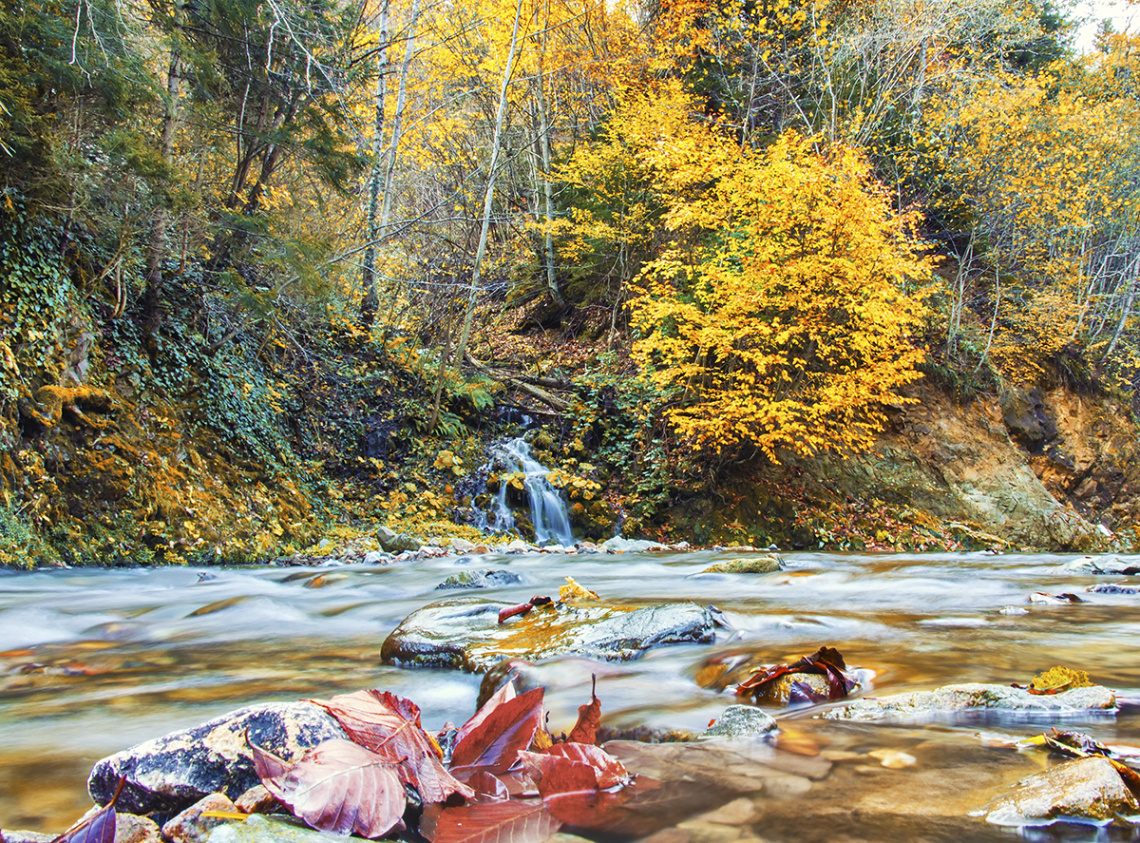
(256, 800)
(191, 827)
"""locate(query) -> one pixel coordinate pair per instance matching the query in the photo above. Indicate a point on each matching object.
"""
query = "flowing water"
(92, 661)
(547, 508)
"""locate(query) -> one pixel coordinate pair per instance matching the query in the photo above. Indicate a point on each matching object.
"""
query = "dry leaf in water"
(589, 718)
(505, 693)
(495, 744)
(516, 821)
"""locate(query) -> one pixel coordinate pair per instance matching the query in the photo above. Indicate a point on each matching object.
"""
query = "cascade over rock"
(548, 513)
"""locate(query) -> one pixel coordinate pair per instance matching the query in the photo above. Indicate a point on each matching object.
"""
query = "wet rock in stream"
(742, 721)
(479, 579)
(766, 564)
(974, 699)
(1108, 564)
(465, 633)
(1086, 789)
(171, 773)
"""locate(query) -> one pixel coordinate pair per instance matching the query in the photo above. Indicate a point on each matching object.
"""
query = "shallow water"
(93, 661)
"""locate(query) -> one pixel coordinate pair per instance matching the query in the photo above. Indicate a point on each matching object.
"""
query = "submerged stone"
(171, 773)
(465, 633)
(1086, 789)
(480, 579)
(974, 698)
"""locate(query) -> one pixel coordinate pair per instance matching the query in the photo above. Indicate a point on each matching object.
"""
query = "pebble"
(894, 759)
(256, 800)
(737, 812)
(706, 832)
(132, 829)
(191, 827)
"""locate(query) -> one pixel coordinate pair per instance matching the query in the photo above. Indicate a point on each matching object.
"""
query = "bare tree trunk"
(398, 118)
(489, 195)
(371, 300)
(443, 360)
(1125, 313)
(547, 186)
(156, 248)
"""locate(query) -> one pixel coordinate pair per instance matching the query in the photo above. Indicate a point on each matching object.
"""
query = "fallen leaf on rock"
(390, 726)
(523, 608)
(561, 775)
(1074, 744)
(573, 591)
(494, 745)
(337, 786)
(826, 662)
(1059, 679)
(516, 821)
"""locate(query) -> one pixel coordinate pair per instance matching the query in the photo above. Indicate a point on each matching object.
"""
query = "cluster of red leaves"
(507, 778)
(826, 661)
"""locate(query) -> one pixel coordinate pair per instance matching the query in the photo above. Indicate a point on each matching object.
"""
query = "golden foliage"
(782, 317)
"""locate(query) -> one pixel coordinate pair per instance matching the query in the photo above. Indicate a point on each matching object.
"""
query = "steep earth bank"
(100, 475)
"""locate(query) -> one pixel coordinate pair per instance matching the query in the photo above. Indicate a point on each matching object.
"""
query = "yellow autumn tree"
(1042, 171)
(782, 318)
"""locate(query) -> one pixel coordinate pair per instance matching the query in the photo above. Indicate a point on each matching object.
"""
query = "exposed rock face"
(973, 698)
(1038, 469)
(1082, 789)
(171, 773)
(466, 633)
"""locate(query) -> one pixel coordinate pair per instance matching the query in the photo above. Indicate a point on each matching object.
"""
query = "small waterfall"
(547, 508)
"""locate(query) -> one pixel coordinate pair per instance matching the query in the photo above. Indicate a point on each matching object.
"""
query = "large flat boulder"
(171, 773)
(974, 698)
(466, 633)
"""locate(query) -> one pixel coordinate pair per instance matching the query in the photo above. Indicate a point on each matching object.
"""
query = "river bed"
(93, 661)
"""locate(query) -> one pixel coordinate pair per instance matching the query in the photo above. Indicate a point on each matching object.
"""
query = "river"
(92, 661)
